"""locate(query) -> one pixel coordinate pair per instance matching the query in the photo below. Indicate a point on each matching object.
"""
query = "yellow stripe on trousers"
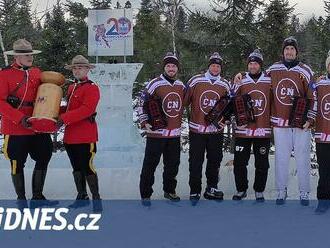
(91, 165)
(14, 167)
(5, 147)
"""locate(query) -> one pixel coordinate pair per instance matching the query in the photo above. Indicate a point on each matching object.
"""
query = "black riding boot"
(82, 196)
(19, 184)
(38, 181)
(93, 184)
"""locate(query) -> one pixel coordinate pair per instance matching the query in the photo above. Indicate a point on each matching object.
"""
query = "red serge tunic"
(29, 81)
(82, 103)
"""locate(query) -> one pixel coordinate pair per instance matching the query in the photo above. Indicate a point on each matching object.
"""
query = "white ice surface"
(123, 183)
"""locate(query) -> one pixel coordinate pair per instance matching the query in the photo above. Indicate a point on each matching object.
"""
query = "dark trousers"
(155, 147)
(198, 144)
(241, 159)
(81, 157)
(323, 159)
(16, 148)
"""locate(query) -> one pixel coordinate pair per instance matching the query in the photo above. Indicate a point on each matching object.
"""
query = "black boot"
(240, 195)
(19, 184)
(82, 199)
(213, 194)
(38, 181)
(172, 197)
(194, 198)
(93, 184)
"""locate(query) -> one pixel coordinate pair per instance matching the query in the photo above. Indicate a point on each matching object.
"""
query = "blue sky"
(305, 8)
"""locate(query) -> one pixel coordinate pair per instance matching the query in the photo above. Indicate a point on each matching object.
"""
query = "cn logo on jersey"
(259, 101)
(325, 107)
(207, 100)
(286, 89)
(172, 104)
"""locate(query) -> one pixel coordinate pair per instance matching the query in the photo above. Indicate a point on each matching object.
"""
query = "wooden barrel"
(52, 77)
(46, 108)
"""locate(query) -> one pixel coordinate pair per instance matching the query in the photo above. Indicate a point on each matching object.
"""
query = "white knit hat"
(327, 62)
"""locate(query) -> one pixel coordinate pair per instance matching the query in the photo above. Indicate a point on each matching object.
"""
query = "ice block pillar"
(120, 144)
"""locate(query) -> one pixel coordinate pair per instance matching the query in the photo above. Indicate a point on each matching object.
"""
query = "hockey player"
(322, 139)
(162, 140)
(256, 84)
(203, 91)
(290, 78)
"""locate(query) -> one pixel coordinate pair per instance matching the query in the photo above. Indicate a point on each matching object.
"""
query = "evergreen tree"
(326, 27)
(56, 42)
(237, 23)
(311, 48)
(128, 5)
(151, 42)
(15, 21)
(274, 28)
(170, 9)
(295, 26)
(24, 23)
(181, 24)
(201, 38)
(101, 4)
(77, 26)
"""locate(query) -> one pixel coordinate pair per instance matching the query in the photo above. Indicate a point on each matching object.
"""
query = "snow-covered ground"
(122, 182)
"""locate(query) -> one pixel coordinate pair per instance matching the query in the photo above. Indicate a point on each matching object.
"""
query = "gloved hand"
(25, 122)
(148, 128)
(238, 77)
(306, 125)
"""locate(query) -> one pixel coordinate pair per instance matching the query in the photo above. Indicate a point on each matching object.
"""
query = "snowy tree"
(56, 42)
(171, 9)
(236, 22)
(100, 4)
(274, 28)
(181, 24)
(77, 26)
(15, 22)
(151, 41)
(312, 51)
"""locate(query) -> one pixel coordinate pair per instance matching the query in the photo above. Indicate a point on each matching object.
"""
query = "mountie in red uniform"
(18, 90)
(80, 134)
(21, 141)
(79, 117)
